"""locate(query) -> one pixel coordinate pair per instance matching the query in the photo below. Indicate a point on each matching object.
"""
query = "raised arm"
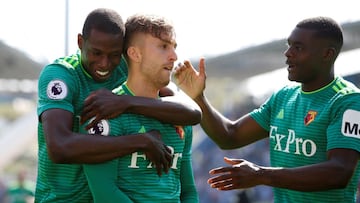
(226, 133)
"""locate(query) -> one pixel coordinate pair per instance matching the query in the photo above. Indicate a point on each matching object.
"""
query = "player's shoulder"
(345, 93)
(345, 87)
(69, 62)
(289, 89)
(122, 90)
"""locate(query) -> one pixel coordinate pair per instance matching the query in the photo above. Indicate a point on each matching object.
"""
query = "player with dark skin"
(103, 104)
(101, 54)
(310, 59)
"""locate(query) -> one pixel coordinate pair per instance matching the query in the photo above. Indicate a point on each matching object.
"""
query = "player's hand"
(240, 175)
(166, 91)
(157, 152)
(102, 104)
(191, 81)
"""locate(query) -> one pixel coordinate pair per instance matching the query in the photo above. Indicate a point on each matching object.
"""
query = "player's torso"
(60, 182)
(137, 175)
(298, 129)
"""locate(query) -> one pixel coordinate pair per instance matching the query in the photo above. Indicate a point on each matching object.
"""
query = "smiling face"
(308, 59)
(100, 53)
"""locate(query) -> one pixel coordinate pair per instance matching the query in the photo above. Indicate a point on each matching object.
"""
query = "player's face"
(305, 58)
(100, 54)
(158, 58)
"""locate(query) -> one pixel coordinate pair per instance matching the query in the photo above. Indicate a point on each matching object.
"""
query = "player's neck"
(142, 88)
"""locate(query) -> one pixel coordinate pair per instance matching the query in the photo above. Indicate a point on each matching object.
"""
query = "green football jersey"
(20, 194)
(65, 84)
(303, 126)
(133, 178)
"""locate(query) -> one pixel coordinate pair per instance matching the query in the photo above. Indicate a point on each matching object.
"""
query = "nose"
(173, 55)
(287, 52)
(104, 62)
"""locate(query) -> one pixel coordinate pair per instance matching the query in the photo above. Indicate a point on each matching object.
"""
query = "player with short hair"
(312, 126)
(64, 86)
(150, 52)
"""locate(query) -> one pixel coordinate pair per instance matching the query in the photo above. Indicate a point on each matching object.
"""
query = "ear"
(329, 54)
(80, 41)
(134, 54)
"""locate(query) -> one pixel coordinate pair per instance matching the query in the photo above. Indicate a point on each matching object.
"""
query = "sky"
(203, 27)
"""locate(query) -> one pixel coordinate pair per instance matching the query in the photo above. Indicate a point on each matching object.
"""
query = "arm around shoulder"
(103, 104)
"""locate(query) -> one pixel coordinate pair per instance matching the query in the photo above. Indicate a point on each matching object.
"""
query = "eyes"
(294, 47)
(166, 46)
(167, 43)
(97, 53)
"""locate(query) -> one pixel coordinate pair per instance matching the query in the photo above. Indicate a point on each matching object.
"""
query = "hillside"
(16, 64)
(237, 65)
(263, 58)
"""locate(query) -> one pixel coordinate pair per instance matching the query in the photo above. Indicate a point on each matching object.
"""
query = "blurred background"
(243, 43)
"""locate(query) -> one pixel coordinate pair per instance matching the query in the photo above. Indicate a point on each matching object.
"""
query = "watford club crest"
(310, 117)
(180, 131)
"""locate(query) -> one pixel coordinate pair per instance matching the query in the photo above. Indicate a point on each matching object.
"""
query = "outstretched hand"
(240, 175)
(191, 81)
(102, 104)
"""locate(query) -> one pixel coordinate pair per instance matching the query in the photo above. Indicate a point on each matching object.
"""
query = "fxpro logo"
(351, 123)
(137, 157)
(291, 144)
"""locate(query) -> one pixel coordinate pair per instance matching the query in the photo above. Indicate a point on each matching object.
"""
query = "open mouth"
(168, 68)
(290, 65)
(102, 73)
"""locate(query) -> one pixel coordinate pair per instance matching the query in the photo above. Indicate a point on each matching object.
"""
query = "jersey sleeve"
(189, 193)
(344, 128)
(262, 115)
(102, 177)
(102, 182)
(54, 88)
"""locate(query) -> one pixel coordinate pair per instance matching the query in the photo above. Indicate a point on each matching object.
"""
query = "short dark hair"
(157, 26)
(104, 20)
(325, 28)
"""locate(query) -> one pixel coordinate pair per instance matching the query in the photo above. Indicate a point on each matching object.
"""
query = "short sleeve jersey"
(303, 126)
(65, 84)
(136, 175)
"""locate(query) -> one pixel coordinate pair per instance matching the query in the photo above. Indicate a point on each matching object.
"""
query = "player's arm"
(178, 109)
(102, 182)
(57, 91)
(226, 133)
(173, 102)
(65, 146)
(189, 192)
(335, 173)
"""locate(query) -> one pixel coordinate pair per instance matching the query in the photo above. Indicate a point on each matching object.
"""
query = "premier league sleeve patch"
(351, 123)
(101, 128)
(56, 89)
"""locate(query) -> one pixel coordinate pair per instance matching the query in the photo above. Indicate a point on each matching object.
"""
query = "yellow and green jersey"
(133, 178)
(65, 84)
(303, 126)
